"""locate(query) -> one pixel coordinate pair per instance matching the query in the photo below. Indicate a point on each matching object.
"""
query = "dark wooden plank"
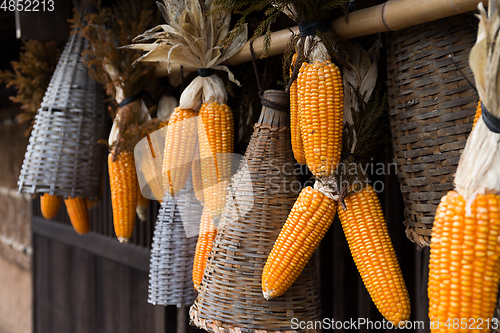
(42, 286)
(171, 319)
(83, 291)
(110, 286)
(129, 255)
(340, 255)
(60, 275)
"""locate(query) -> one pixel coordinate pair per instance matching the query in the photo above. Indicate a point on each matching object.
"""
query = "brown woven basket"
(63, 156)
(230, 297)
(432, 108)
(172, 253)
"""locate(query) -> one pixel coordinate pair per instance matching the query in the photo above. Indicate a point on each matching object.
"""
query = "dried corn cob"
(305, 227)
(321, 105)
(196, 174)
(203, 246)
(91, 203)
(49, 205)
(180, 143)
(371, 248)
(123, 183)
(464, 266)
(142, 205)
(297, 146)
(479, 112)
(78, 214)
(216, 140)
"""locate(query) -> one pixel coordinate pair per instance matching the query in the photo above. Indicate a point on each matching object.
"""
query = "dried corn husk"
(478, 171)
(192, 38)
(166, 106)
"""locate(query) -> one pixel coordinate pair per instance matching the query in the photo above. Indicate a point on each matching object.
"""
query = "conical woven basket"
(172, 253)
(63, 156)
(261, 195)
(432, 109)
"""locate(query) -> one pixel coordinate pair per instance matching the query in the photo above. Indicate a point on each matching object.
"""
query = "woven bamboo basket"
(63, 155)
(260, 197)
(431, 107)
(172, 253)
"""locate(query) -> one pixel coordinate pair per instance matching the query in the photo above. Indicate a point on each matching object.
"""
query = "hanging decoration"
(63, 158)
(260, 196)
(464, 261)
(108, 30)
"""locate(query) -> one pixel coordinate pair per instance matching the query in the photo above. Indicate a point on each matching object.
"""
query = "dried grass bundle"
(31, 76)
(193, 39)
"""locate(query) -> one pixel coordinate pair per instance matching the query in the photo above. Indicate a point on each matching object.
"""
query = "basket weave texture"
(431, 107)
(172, 253)
(63, 155)
(261, 195)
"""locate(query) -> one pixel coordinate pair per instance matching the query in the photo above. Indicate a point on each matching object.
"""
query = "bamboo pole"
(392, 15)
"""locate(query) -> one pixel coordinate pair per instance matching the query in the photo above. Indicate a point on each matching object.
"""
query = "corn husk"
(192, 38)
(478, 171)
(166, 106)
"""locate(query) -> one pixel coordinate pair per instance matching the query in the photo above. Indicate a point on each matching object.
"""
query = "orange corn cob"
(297, 147)
(203, 246)
(196, 174)
(310, 217)
(371, 248)
(216, 141)
(91, 203)
(142, 205)
(180, 143)
(123, 183)
(479, 112)
(464, 266)
(49, 205)
(78, 214)
(321, 105)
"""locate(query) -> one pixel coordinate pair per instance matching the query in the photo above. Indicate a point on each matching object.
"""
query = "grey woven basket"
(172, 253)
(261, 195)
(63, 156)
(432, 109)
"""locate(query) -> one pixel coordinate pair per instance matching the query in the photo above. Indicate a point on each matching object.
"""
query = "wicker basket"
(172, 253)
(63, 156)
(230, 297)
(432, 108)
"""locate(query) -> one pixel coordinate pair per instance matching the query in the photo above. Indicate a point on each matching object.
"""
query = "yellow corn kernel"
(464, 261)
(49, 205)
(196, 176)
(305, 227)
(123, 183)
(371, 248)
(180, 142)
(321, 106)
(206, 237)
(297, 146)
(479, 112)
(216, 143)
(78, 214)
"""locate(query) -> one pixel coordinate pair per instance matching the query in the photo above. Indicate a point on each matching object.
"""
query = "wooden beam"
(126, 254)
(391, 15)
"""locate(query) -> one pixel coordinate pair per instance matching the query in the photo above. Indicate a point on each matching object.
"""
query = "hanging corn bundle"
(200, 133)
(464, 266)
(260, 197)
(64, 158)
(316, 117)
(110, 65)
